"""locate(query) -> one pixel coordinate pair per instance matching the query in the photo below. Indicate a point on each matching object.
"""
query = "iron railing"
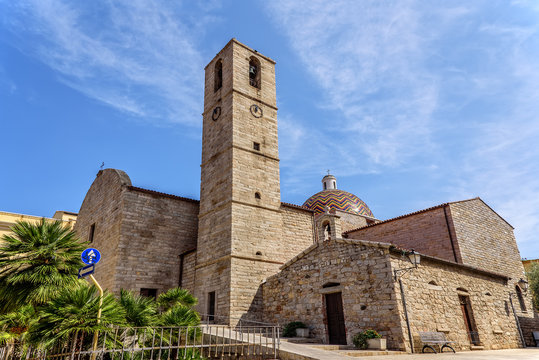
(189, 342)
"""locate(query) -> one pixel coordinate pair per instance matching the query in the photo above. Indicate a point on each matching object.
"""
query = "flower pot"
(376, 344)
(302, 332)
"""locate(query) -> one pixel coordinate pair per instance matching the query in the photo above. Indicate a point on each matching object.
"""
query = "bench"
(433, 338)
(536, 338)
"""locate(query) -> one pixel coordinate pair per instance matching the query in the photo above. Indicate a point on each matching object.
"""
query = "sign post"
(90, 257)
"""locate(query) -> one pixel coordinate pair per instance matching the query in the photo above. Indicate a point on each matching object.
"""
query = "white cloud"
(136, 56)
(451, 86)
(366, 55)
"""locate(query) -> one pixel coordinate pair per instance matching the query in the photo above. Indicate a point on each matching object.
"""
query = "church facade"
(328, 263)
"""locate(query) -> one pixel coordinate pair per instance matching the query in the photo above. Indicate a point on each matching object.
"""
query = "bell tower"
(239, 219)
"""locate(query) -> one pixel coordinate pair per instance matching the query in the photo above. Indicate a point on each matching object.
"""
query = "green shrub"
(360, 339)
(290, 328)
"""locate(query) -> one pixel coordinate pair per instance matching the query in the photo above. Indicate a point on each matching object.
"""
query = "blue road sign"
(86, 270)
(90, 256)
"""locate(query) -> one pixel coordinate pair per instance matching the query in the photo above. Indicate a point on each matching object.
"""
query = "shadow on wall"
(528, 326)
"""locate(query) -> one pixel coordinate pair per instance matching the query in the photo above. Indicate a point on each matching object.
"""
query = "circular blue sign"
(90, 256)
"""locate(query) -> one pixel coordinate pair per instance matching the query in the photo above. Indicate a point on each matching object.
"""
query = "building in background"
(8, 219)
(529, 263)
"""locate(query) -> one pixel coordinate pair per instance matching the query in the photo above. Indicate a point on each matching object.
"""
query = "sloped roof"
(423, 211)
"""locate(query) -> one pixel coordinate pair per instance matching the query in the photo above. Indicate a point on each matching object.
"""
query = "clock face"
(256, 111)
(216, 113)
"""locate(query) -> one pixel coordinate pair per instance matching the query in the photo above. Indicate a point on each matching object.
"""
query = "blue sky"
(409, 103)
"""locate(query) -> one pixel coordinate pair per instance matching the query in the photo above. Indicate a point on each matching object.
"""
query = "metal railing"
(189, 342)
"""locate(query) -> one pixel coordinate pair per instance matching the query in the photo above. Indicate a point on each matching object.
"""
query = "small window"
(256, 146)
(325, 186)
(259, 253)
(257, 195)
(211, 306)
(432, 282)
(254, 72)
(334, 185)
(520, 298)
(218, 75)
(151, 293)
(92, 232)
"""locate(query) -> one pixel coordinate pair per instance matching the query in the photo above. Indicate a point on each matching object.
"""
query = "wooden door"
(468, 319)
(335, 319)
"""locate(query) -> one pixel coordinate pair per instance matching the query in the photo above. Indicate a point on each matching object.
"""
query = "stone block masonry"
(240, 219)
(363, 272)
(140, 233)
(425, 231)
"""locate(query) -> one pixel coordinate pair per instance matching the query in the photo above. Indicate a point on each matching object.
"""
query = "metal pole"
(517, 321)
(406, 316)
(96, 334)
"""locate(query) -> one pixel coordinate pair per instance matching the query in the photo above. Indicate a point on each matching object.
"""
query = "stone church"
(329, 263)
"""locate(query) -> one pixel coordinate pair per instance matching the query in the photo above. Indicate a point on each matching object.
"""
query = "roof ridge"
(153, 192)
(415, 213)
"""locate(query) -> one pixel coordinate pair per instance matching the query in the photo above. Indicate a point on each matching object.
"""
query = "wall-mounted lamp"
(523, 284)
(414, 258)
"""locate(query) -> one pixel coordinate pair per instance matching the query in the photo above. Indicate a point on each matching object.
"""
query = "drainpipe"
(450, 236)
(406, 316)
(516, 320)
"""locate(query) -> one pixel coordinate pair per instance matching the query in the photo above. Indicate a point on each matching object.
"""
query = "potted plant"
(296, 328)
(369, 339)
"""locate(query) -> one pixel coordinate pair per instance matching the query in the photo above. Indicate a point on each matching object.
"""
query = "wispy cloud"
(136, 56)
(366, 56)
(411, 83)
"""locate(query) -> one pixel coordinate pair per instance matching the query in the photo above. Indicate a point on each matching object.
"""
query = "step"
(477, 347)
(359, 353)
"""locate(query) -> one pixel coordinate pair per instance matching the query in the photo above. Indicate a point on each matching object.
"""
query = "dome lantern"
(330, 182)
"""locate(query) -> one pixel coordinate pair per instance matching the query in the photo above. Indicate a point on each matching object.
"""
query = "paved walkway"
(512, 354)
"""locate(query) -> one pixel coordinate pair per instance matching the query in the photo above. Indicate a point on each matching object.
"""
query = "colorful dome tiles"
(337, 199)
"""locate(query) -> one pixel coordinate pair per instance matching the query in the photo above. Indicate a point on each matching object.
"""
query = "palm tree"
(74, 311)
(180, 316)
(175, 297)
(139, 310)
(14, 325)
(177, 308)
(37, 261)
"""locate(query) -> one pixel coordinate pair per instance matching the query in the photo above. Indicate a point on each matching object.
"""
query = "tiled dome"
(338, 199)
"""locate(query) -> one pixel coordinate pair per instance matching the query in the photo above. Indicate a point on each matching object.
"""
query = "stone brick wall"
(426, 232)
(240, 220)
(432, 296)
(368, 294)
(351, 221)
(529, 324)
(155, 230)
(140, 233)
(102, 206)
(364, 274)
(487, 241)
(188, 276)
(214, 276)
(297, 225)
